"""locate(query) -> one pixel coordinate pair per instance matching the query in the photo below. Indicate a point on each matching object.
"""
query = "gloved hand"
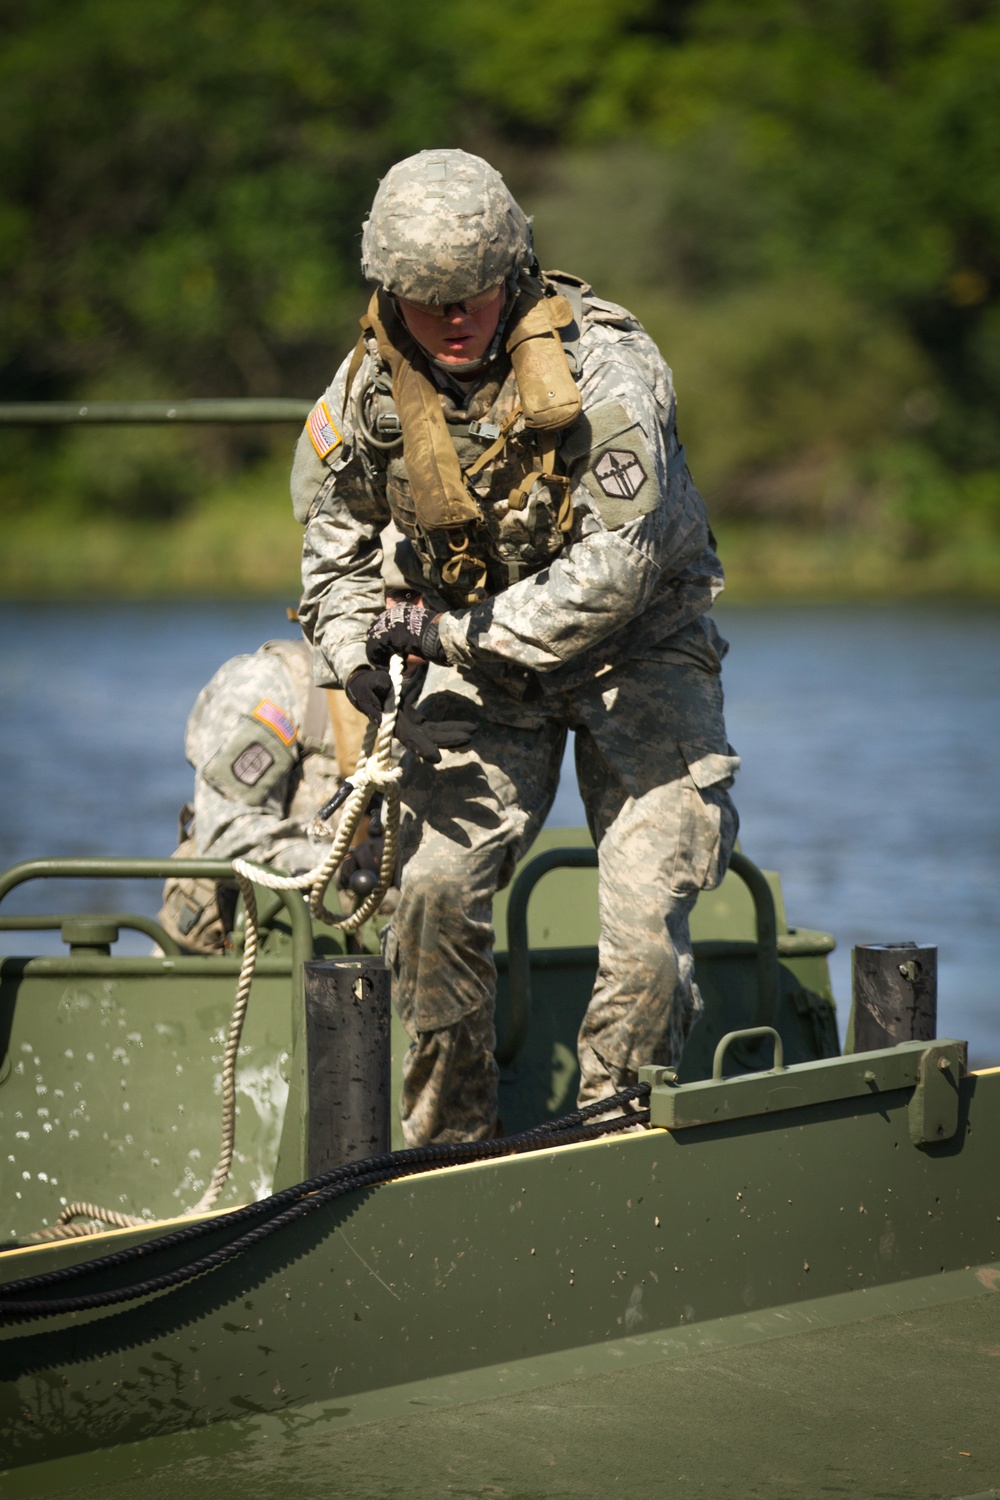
(423, 736)
(370, 690)
(404, 630)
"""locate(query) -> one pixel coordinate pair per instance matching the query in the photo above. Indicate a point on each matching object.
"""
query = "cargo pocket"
(708, 820)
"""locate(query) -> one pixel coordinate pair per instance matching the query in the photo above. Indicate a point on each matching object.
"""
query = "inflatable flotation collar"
(548, 400)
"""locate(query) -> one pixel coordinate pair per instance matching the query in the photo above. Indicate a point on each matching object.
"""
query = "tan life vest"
(448, 522)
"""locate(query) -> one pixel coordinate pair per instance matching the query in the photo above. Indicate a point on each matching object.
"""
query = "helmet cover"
(443, 226)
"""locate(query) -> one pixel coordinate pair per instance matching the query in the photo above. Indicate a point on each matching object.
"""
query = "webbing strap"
(464, 561)
(496, 447)
(546, 474)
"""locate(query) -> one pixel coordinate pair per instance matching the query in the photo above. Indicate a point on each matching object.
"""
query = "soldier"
(521, 432)
(261, 742)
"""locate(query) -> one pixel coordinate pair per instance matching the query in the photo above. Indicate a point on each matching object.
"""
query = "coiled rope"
(293, 1203)
(375, 774)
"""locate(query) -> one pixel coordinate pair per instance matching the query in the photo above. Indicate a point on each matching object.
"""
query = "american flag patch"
(270, 714)
(322, 433)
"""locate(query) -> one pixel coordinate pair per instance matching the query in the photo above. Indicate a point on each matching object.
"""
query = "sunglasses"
(468, 306)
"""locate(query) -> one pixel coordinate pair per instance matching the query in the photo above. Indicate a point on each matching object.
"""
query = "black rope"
(295, 1202)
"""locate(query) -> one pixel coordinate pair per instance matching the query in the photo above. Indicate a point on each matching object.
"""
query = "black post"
(895, 995)
(347, 1060)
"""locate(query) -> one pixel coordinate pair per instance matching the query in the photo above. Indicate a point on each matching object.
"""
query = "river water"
(868, 735)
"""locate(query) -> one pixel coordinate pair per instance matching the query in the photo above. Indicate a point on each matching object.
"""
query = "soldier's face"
(463, 334)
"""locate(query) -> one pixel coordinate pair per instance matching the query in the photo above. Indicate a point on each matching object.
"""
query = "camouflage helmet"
(443, 226)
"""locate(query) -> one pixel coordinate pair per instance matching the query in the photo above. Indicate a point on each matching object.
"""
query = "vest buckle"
(388, 425)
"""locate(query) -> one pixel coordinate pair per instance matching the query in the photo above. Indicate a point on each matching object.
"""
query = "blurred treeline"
(801, 199)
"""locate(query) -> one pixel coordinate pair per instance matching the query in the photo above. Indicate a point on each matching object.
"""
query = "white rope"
(375, 773)
(63, 1229)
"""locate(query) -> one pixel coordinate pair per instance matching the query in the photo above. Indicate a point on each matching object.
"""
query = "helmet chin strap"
(465, 370)
(471, 367)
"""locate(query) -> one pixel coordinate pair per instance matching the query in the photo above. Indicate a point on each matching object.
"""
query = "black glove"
(370, 690)
(423, 736)
(404, 630)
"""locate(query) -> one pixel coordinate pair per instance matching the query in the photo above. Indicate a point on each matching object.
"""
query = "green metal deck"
(795, 1303)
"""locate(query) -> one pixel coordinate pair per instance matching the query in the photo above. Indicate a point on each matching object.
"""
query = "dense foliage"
(800, 197)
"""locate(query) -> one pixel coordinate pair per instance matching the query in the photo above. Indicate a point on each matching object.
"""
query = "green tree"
(787, 190)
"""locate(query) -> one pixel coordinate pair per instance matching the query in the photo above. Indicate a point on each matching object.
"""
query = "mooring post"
(895, 995)
(347, 1015)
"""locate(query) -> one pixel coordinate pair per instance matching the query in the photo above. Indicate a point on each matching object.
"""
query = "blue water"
(868, 735)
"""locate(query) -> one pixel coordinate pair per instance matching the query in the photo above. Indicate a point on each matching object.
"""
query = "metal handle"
(518, 956)
(778, 1065)
(155, 869)
(768, 985)
(131, 922)
(233, 409)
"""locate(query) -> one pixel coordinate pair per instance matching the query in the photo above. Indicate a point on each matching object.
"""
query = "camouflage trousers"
(654, 766)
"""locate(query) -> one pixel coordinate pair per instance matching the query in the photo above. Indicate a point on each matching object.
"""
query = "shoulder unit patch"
(322, 433)
(251, 764)
(619, 473)
(615, 464)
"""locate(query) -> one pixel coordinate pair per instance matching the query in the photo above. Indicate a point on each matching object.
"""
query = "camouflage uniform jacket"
(260, 740)
(637, 567)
